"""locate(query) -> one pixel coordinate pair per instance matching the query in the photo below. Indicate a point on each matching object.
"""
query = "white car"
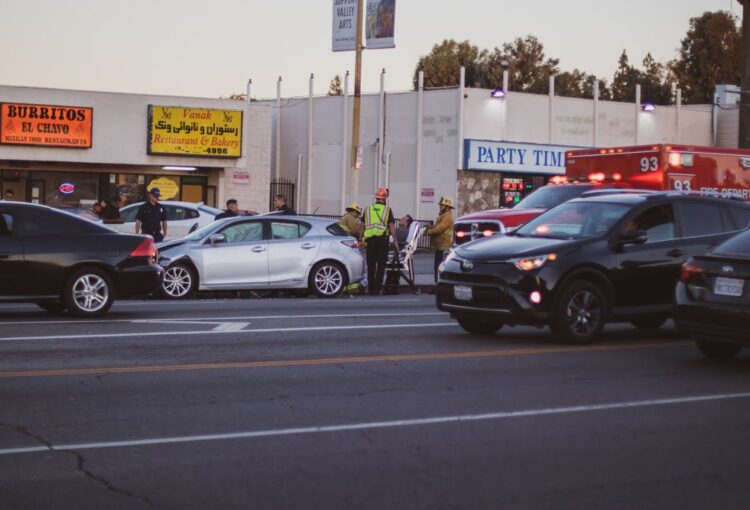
(182, 217)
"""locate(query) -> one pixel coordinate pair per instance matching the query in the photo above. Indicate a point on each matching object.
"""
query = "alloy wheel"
(178, 281)
(90, 293)
(583, 313)
(328, 280)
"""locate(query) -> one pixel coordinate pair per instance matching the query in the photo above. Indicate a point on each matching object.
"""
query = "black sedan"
(713, 299)
(60, 261)
(592, 260)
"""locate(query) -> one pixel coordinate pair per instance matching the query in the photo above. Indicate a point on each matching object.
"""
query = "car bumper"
(139, 280)
(709, 321)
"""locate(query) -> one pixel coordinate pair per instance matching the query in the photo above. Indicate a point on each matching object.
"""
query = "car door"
(645, 274)
(240, 260)
(292, 251)
(12, 266)
(702, 225)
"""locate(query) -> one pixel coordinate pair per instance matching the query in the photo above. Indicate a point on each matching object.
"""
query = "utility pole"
(357, 101)
(744, 142)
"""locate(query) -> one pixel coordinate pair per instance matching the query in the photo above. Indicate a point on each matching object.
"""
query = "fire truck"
(705, 170)
(712, 171)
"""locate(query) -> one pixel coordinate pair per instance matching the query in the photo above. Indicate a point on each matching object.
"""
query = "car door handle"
(259, 249)
(676, 253)
(308, 246)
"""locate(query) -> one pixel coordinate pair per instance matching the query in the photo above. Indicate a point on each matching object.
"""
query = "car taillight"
(147, 248)
(460, 234)
(690, 273)
(351, 244)
(488, 233)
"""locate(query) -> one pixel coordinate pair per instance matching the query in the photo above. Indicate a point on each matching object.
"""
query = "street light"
(499, 92)
(648, 107)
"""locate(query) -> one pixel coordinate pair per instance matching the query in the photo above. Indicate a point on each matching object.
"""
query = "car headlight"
(451, 255)
(531, 263)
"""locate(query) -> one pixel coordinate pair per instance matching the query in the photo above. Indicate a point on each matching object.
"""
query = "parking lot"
(323, 403)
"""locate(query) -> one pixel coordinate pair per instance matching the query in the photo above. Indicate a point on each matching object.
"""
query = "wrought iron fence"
(286, 187)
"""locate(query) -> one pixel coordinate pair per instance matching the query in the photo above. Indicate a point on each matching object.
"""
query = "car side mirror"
(217, 239)
(633, 236)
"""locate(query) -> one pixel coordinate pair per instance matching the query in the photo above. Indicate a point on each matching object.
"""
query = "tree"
(442, 66)
(336, 89)
(709, 55)
(577, 83)
(529, 68)
(625, 79)
(656, 85)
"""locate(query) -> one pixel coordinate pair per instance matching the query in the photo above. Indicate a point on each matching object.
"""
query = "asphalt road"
(358, 403)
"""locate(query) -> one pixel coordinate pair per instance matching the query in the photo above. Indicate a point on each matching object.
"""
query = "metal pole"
(357, 100)
(344, 161)
(381, 127)
(277, 169)
(420, 106)
(637, 110)
(460, 141)
(551, 105)
(298, 194)
(249, 90)
(744, 141)
(504, 123)
(310, 120)
(596, 111)
(678, 110)
(388, 171)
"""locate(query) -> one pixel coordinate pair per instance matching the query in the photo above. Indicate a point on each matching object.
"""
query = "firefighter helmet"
(354, 206)
(447, 201)
(381, 193)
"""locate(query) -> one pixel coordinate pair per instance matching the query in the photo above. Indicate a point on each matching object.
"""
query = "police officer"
(151, 218)
(441, 233)
(379, 222)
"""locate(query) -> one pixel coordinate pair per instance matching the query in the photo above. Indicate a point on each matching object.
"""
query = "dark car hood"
(508, 247)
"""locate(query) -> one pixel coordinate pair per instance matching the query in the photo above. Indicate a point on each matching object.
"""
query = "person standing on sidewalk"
(151, 218)
(441, 233)
(379, 222)
(351, 221)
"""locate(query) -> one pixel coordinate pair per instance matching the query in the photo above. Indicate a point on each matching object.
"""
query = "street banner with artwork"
(380, 24)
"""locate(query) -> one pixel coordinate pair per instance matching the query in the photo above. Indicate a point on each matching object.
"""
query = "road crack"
(80, 463)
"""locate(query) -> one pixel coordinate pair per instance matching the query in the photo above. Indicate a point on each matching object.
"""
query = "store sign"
(168, 188)
(240, 177)
(515, 157)
(67, 188)
(46, 125)
(194, 131)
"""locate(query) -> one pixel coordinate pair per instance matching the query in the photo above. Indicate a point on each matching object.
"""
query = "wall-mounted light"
(648, 107)
(180, 168)
(497, 93)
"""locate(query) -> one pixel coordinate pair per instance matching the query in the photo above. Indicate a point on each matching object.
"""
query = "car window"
(177, 213)
(658, 222)
(337, 230)
(740, 216)
(737, 245)
(701, 219)
(128, 214)
(6, 224)
(548, 197)
(49, 222)
(288, 229)
(244, 232)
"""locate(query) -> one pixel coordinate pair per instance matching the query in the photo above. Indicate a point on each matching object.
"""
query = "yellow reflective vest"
(376, 220)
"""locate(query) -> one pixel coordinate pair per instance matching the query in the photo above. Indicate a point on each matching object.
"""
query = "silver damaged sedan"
(262, 252)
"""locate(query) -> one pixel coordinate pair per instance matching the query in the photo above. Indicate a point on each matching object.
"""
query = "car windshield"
(204, 231)
(548, 197)
(575, 220)
(738, 245)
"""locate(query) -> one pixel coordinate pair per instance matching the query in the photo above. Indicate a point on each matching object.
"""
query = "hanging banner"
(344, 25)
(380, 24)
(194, 131)
(46, 125)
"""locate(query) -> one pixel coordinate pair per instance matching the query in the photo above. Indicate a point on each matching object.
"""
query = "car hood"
(166, 245)
(496, 214)
(508, 247)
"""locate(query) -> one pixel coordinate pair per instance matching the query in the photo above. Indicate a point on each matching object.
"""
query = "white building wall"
(728, 128)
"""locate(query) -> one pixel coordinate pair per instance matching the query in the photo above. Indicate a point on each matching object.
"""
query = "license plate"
(462, 293)
(729, 287)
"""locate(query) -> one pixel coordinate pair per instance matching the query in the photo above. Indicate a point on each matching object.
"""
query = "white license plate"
(729, 287)
(462, 293)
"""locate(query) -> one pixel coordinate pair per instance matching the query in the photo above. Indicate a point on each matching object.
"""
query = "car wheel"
(718, 350)
(89, 293)
(479, 326)
(580, 313)
(51, 306)
(327, 280)
(649, 323)
(178, 282)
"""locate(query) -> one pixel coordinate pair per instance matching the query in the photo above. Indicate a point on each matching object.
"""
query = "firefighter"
(379, 222)
(351, 221)
(441, 233)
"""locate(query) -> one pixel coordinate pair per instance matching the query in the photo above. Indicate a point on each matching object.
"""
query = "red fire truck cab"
(713, 171)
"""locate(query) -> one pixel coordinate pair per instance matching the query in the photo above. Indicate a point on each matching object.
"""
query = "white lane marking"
(231, 326)
(186, 333)
(247, 317)
(466, 418)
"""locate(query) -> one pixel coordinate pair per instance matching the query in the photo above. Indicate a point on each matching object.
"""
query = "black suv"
(605, 257)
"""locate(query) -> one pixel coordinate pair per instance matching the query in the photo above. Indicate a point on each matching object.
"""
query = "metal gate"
(286, 187)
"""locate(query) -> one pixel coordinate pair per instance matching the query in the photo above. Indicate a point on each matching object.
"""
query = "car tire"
(718, 350)
(327, 279)
(179, 282)
(480, 326)
(89, 293)
(580, 313)
(51, 306)
(649, 323)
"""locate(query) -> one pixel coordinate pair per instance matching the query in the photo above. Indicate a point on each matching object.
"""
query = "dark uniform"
(225, 214)
(285, 210)
(151, 217)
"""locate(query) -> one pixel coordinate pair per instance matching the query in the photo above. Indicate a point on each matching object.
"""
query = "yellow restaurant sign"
(194, 131)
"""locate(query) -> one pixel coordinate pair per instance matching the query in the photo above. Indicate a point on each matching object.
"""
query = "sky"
(211, 48)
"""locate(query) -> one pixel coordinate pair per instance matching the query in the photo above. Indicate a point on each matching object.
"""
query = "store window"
(69, 189)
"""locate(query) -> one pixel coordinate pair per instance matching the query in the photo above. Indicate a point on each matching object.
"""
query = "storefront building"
(70, 148)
